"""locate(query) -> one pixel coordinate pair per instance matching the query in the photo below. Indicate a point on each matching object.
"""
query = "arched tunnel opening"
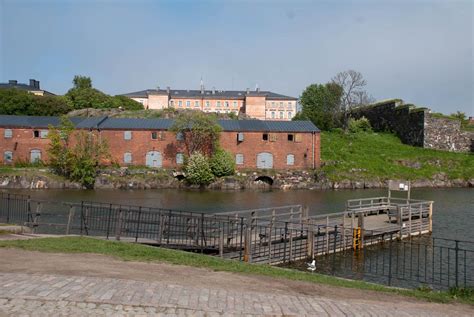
(265, 179)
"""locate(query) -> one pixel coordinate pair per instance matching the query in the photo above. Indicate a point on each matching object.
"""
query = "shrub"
(359, 125)
(222, 163)
(198, 171)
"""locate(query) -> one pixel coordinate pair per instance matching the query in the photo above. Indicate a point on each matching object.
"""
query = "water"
(453, 215)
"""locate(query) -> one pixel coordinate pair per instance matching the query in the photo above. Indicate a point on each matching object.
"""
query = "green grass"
(142, 253)
(382, 156)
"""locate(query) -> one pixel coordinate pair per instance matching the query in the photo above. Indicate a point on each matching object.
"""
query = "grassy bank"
(134, 252)
(370, 156)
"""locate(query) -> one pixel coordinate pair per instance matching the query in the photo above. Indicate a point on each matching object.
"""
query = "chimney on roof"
(248, 91)
(213, 90)
(32, 83)
(168, 89)
(257, 89)
(202, 87)
(12, 82)
(37, 84)
(157, 87)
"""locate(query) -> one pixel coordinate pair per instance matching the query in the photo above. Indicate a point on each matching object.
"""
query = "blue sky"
(420, 51)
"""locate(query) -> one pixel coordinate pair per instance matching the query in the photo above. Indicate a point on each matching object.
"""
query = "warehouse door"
(264, 160)
(153, 159)
(35, 156)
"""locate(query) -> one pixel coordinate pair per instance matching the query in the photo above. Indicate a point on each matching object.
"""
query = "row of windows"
(272, 137)
(290, 105)
(43, 134)
(127, 158)
(196, 103)
(35, 156)
(282, 115)
(290, 159)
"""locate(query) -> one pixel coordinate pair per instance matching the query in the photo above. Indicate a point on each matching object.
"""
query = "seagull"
(312, 265)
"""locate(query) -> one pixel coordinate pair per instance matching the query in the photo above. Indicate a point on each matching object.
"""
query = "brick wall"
(141, 142)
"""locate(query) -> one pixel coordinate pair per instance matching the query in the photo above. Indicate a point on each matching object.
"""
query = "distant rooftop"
(105, 123)
(33, 86)
(208, 94)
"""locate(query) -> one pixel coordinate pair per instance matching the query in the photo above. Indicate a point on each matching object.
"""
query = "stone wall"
(446, 134)
(416, 126)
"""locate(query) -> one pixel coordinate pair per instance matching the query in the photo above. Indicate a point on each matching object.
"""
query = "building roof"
(208, 94)
(15, 85)
(105, 123)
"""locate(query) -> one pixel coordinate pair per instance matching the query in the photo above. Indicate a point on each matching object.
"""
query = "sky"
(419, 51)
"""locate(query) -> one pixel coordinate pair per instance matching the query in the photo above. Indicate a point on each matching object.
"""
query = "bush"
(359, 125)
(198, 171)
(222, 163)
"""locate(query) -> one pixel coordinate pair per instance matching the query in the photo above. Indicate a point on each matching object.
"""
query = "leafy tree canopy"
(322, 105)
(20, 102)
(198, 131)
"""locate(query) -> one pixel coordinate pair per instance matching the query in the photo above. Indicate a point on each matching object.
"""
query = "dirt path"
(102, 267)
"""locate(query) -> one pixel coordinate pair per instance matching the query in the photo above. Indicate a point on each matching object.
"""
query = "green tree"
(198, 171)
(82, 82)
(126, 103)
(222, 163)
(321, 105)
(20, 102)
(76, 155)
(198, 131)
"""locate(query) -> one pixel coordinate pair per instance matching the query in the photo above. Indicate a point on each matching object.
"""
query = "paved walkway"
(57, 295)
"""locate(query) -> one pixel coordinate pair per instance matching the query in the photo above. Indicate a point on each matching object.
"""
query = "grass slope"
(136, 252)
(371, 156)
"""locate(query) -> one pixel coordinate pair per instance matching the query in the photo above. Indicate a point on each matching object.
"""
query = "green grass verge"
(371, 156)
(142, 253)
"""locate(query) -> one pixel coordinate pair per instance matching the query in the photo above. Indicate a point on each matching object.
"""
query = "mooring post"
(118, 228)
(327, 235)
(430, 215)
(70, 218)
(221, 243)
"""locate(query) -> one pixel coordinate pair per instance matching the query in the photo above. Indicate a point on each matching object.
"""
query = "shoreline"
(250, 180)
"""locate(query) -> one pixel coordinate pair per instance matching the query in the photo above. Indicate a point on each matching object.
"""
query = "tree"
(222, 163)
(75, 155)
(198, 171)
(83, 95)
(321, 105)
(20, 102)
(352, 84)
(198, 131)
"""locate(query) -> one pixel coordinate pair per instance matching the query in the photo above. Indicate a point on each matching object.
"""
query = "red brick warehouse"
(254, 143)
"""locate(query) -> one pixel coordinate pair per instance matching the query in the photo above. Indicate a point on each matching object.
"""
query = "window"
(127, 135)
(273, 103)
(240, 137)
(8, 133)
(188, 103)
(196, 103)
(273, 137)
(273, 115)
(235, 104)
(208, 104)
(7, 157)
(35, 156)
(179, 158)
(281, 114)
(36, 133)
(218, 104)
(289, 115)
(43, 134)
(289, 104)
(179, 136)
(298, 138)
(281, 104)
(154, 135)
(226, 104)
(180, 103)
(265, 137)
(239, 159)
(127, 157)
(290, 159)
(291, 137)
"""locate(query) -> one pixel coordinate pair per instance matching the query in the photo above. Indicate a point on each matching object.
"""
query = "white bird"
(312, 266)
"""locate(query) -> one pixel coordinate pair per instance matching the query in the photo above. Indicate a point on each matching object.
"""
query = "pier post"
(221, 243)
(430, 216)
(70, 218)
(118, 228)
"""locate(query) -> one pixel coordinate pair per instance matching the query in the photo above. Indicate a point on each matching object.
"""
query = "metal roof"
(105, 123)
(208, 94)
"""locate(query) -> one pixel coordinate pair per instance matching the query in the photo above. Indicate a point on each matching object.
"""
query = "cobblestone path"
(57, 295)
